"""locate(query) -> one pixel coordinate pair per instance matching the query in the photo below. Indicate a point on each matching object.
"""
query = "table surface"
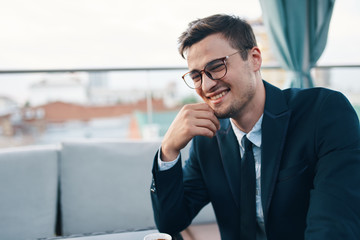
(136, 235)
(209, 231)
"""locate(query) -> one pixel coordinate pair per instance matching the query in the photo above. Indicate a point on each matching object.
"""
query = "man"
(304, 154)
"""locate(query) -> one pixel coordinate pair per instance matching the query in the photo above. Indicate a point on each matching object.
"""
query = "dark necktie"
(248, 185)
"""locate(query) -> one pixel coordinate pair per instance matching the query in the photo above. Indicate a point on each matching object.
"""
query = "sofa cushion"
(105, 185)
(28, 192)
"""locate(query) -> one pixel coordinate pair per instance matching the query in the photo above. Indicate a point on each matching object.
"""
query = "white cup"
(157, 236)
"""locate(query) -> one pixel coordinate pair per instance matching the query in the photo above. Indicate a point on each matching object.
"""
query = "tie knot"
(247, 143)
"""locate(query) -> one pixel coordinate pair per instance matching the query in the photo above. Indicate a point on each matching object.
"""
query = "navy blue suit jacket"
(310, 174)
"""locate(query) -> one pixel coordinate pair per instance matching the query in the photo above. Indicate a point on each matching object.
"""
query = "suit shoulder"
(317, 94)
(297, 92)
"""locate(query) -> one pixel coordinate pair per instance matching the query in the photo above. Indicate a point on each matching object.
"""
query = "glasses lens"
(215, 69)
(193, 79)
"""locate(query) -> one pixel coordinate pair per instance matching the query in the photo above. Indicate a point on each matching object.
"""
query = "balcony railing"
(40, 106)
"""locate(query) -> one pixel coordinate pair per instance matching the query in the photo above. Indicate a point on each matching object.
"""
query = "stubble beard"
(229, 113)
(237, 108)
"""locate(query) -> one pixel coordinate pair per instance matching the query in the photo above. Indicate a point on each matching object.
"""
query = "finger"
(200, 106)
(196, 126)
(207, 123)
(203, 131)
(210, 116)
(207, 108)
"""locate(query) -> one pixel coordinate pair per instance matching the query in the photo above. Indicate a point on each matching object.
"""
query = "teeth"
(218, 96)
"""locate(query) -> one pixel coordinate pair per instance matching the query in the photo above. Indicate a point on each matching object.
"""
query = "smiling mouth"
(220, 95)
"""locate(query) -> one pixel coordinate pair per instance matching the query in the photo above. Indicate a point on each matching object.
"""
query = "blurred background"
(85, 69)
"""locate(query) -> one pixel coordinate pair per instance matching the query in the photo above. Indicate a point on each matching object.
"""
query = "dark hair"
(238, 32)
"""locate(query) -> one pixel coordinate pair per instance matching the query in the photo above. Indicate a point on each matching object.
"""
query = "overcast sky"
(40, 34)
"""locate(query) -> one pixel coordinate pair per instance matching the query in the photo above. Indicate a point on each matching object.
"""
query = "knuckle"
(210, 134)
(186, 122)
(186, 112)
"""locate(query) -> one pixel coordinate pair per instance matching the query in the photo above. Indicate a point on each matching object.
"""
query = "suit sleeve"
(176, 195)
(334, 211)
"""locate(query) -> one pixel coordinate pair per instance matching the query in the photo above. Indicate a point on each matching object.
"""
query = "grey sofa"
(28, 192)
(78, 187)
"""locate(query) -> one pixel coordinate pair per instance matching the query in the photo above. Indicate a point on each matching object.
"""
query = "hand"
(192, 120)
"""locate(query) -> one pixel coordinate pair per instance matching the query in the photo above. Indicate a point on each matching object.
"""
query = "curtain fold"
(298, 31)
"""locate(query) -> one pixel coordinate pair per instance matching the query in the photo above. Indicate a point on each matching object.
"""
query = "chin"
(222, 115)
(226, 113)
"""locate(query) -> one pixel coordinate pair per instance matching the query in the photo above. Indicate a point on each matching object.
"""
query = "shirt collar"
(254, 135)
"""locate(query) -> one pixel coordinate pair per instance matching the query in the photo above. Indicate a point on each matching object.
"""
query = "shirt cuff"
(166, 165)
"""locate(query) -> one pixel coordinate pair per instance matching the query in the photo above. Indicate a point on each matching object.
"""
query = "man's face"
(230, 96)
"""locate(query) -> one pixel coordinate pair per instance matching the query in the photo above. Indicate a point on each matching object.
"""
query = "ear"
(255, 57)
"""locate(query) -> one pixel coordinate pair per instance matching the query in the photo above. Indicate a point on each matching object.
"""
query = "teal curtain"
(298, 31)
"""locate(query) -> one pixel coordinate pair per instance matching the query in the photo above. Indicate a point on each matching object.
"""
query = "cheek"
(238, 79)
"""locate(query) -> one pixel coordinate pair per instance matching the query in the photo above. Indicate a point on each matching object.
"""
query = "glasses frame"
(223, 59)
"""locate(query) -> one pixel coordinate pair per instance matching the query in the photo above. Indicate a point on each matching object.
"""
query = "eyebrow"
(206, 64)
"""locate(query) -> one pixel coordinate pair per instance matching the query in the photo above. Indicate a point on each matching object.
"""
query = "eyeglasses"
(215, 70)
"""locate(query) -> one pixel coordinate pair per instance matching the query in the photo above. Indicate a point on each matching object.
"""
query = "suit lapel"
(274, 128)
(230, 155)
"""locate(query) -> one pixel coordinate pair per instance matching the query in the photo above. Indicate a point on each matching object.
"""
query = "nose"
(207, 83)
